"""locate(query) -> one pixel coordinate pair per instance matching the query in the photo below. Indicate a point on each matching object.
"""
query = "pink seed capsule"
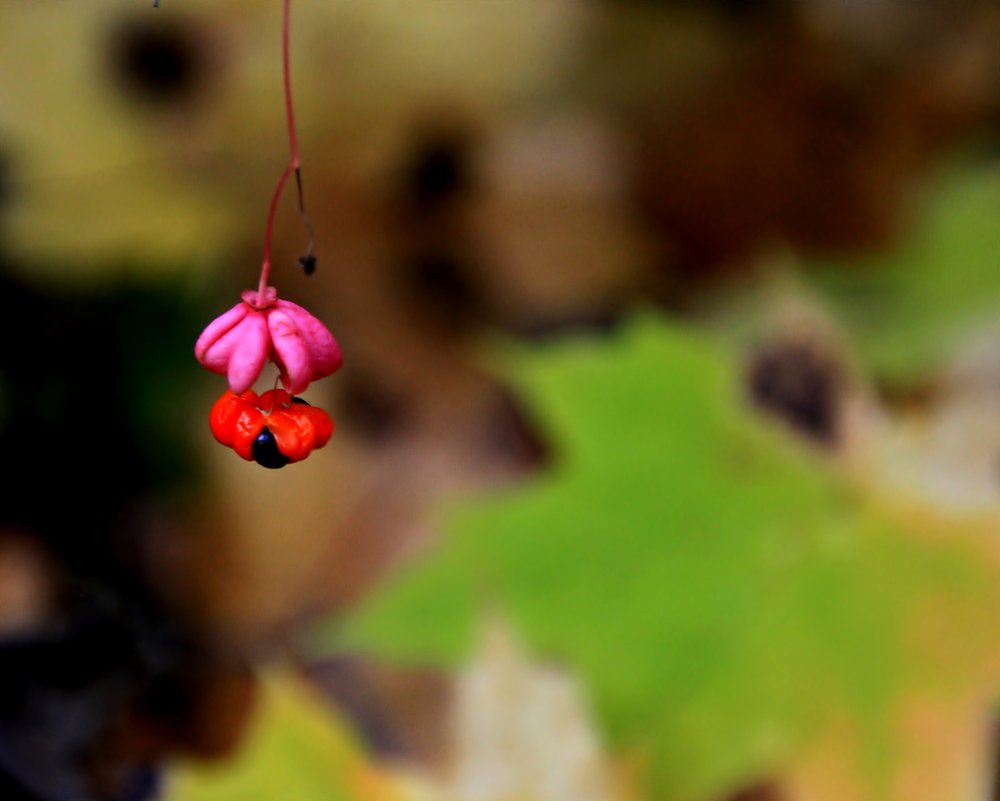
(239, 342)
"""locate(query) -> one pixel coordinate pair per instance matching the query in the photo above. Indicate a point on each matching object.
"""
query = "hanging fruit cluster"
(276, 428)
(273, 429)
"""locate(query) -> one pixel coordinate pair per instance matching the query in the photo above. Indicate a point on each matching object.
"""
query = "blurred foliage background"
(667, 462)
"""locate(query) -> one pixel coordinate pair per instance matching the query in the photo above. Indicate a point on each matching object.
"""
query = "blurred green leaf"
(907, 310)
(719, 590)
(297, 750)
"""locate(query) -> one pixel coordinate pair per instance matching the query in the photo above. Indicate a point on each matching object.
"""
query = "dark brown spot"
(370, 409)
(600, 321)
(798, 383)
(512, 436)
(444, 286)
(436, 171)
(156, 61)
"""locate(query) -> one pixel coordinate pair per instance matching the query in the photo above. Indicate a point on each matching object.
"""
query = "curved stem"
(272, 212)
(293, 144)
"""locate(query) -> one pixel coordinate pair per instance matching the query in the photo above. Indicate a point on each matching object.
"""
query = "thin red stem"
(293, 144)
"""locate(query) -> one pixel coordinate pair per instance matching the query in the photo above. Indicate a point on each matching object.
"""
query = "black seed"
(265, 451)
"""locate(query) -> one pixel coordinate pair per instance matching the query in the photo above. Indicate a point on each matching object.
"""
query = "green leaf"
(297, 750)
(908, 310)
(718, 588)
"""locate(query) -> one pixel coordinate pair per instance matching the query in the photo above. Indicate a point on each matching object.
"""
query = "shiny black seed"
(265, 451)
